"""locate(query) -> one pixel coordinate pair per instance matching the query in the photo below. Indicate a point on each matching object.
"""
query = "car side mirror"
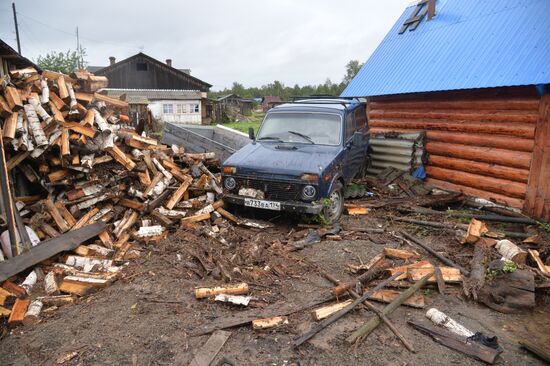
(251, 133)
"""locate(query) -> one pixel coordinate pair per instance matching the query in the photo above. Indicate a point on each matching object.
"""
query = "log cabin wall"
(480, 142)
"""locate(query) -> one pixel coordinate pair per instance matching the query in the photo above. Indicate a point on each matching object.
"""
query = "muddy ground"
(149, 316)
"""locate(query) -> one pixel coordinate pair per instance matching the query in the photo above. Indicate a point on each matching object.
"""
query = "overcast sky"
(221, 41)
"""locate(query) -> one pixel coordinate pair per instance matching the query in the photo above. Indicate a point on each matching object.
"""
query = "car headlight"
(308, 192)
(230, 183)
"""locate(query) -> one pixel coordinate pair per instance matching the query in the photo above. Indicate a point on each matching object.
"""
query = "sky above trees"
(255, 42)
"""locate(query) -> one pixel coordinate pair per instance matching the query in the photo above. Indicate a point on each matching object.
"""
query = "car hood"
(282, 158)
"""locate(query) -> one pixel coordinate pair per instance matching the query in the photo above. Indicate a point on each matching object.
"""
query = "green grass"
(243, 126)
(253, 121)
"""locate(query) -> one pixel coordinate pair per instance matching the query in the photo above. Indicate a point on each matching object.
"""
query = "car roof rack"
(324, 99)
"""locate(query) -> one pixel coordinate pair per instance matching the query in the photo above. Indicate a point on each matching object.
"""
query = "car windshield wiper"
(278, 139)
(305, 137)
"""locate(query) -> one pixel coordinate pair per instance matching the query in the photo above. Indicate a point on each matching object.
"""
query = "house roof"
(468, 44)
(153, 60)
(146, 96)
(8, 53)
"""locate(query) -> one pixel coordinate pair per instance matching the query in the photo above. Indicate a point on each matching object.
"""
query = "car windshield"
(307, 128)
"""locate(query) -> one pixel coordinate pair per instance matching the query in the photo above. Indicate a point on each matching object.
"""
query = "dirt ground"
(149, 316)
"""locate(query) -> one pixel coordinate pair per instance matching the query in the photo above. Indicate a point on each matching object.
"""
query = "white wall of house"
(177, 111)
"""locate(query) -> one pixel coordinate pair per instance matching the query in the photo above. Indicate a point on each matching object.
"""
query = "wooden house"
(475, 76)
(172, 95)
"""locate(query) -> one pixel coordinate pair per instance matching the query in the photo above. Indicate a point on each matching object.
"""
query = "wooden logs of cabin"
(480, 142)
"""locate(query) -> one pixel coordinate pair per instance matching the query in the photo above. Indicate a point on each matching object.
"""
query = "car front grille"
(281, 191)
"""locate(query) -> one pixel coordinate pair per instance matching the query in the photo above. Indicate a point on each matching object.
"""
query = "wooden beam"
(48, 249)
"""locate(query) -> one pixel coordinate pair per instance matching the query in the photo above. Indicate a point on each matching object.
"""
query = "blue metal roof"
(468, 44)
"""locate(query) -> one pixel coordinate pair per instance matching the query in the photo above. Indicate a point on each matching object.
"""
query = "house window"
(141, 66)
(180, 108)
(194, 108)
(167, 108)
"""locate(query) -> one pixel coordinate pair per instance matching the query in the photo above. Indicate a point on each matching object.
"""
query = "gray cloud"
(253, 42)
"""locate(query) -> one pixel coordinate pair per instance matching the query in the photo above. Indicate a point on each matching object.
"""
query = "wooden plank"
(267, 323)
(458, 343)
(387, 296)
(400, 253)
(326, 311)
(210, 349)
(449, 274)
(48, 249)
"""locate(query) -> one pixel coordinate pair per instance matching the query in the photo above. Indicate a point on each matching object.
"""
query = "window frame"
(166, 106)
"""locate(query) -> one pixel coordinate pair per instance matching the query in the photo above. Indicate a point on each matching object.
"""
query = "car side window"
(350, 126)
(360, 118)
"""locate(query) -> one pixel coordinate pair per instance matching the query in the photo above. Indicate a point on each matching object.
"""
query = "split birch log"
(178, 194)
(30, 281)
(326, 311)
(10, 126)
(239, 289)
(536, 257)
(72, 96)
(45, 96)
(368, 327)
(476, 229)
(33, 312)
(36, 129)
(443, 320)
(269, 322)
(233, 299)
(50, 284)
(511, 251)
(100, 122)
(40, 110)
(18, 311)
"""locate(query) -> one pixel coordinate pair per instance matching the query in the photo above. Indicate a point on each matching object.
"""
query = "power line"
(72, 34)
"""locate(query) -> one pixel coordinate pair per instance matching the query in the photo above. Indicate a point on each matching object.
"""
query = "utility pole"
(78, 49)
(16, 28)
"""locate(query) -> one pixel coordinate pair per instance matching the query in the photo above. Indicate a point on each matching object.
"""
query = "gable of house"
(144, 72)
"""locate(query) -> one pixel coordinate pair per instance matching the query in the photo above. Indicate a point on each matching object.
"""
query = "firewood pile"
(82, 191)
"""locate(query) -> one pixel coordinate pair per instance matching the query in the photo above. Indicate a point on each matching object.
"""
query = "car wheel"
(335, 206)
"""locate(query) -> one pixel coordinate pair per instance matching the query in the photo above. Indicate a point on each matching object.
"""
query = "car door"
(355, 143)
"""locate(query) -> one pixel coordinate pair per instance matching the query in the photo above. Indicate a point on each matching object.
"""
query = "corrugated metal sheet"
(404, 151)
(146, 96)
(469, 44)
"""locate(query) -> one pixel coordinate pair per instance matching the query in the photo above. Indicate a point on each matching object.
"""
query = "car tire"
(333, 211)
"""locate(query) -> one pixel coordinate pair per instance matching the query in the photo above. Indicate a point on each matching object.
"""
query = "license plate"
(266, 205)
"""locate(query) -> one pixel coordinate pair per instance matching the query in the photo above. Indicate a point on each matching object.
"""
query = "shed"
(475, 78)
(10, 59)
(234, 101)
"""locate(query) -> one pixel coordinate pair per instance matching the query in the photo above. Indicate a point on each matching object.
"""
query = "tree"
(352, 68)
(62, 62)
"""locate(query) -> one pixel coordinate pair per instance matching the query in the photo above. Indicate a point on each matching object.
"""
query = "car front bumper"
(287, 206)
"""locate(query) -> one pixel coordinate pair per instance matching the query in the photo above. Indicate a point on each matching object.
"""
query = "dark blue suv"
(304, 155)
